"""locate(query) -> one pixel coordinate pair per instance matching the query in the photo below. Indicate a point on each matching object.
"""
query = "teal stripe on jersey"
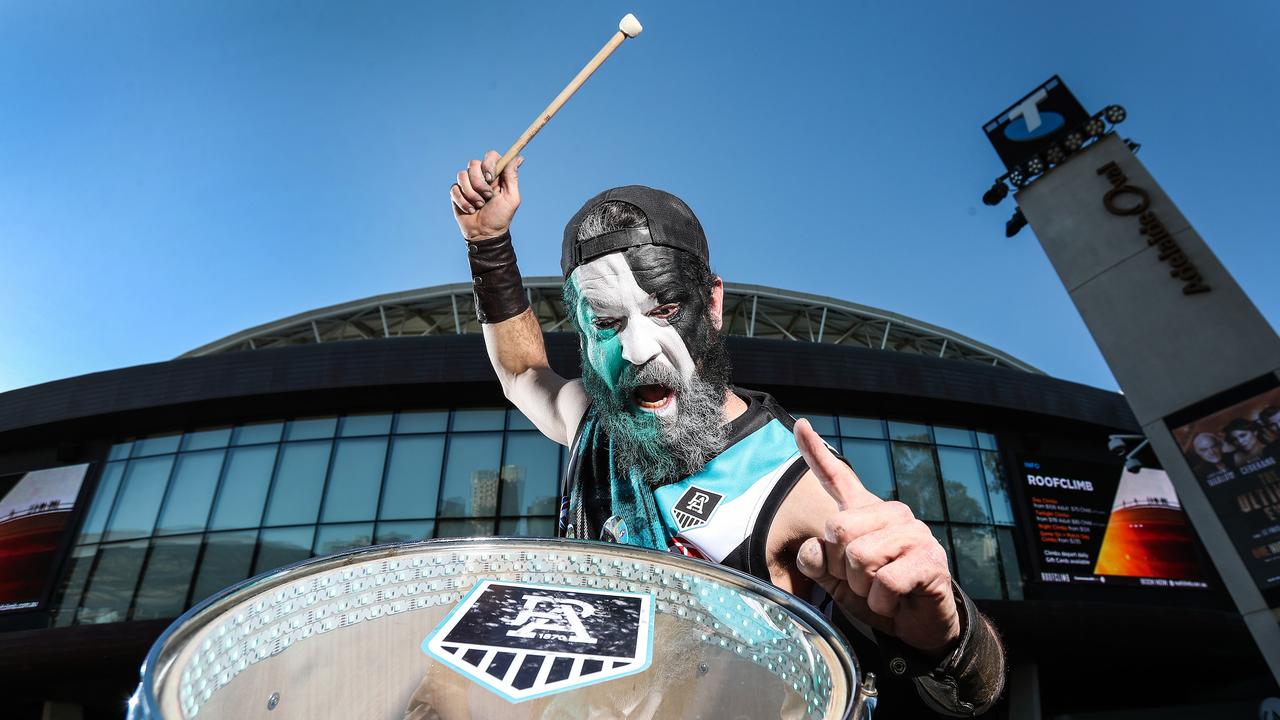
(735, 470)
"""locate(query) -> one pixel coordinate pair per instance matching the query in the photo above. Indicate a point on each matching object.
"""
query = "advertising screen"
(1235, 455)
(1097, 524)
(35, 510)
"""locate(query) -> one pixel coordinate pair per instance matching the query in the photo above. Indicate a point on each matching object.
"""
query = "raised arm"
(484, 206)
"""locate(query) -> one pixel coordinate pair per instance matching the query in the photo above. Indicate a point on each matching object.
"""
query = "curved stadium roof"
(750, 311)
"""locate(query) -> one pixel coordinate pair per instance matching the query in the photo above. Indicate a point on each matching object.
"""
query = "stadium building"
(380, 421)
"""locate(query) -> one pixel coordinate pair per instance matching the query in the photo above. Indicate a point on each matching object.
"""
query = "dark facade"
(339, 412)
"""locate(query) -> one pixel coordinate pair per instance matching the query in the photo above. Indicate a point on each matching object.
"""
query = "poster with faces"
(1235, 455)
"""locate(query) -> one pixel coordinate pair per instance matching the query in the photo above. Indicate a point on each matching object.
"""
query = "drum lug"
(866, 700)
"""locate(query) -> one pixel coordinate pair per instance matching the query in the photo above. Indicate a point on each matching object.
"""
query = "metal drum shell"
(146, 703)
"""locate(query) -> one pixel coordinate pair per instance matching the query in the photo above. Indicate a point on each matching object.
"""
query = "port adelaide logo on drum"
(524, 641)
(694, 507)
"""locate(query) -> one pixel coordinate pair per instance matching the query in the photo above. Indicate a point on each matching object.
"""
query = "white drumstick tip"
(630, 26)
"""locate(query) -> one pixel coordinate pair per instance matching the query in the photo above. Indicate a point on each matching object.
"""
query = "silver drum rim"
(145, 705)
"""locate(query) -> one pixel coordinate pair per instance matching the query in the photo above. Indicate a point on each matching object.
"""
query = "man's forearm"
(513, 338)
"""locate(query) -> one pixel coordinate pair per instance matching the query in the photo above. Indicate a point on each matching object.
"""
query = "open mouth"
(653, 397)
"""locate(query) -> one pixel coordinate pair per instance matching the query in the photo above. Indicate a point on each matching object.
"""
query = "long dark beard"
(664, 450)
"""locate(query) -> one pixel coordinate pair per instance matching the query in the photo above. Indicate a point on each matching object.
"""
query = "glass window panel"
(140, 496)
(870, 460)
(312, 429)
(822, 424)
(163, 593)
(103, 498)
(358, 425)
(964, 485)
(478, 419)
(471, 475)
(278, 547)
(953, 436)
(986, 441)
(428, 421)
(195, 479)
(226, 561)
(120, 451)
(977, 564)
(413, 477)
(464, 528)
(110, 589)
(207, 439)
(72, 586)
(912, 432)
(1009, 561)
(355, 480)
(861, 427)
(917, 480)
(527, 527)
(244, 487)
(336, 538)
(258, 433)
(516, 420)
(940, 532)
(295, 496)
(157, 445)
(997, 489)
(530, 475)
(399, 532)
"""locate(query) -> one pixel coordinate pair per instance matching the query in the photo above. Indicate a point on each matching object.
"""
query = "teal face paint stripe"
(604, 347)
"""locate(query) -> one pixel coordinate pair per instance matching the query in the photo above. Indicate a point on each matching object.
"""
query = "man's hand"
(879, 563)
(483, 204)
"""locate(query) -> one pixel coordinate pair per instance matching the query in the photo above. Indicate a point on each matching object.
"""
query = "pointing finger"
(836, 477)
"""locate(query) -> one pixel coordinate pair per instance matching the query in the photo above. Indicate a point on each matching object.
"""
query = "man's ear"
(717, 304)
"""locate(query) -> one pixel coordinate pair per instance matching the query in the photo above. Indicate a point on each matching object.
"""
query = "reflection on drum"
(500, 628)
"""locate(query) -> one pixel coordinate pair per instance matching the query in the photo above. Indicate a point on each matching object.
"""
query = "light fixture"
(1035, 165)
(1016, 177)
(1055, 155)
(994, 195)
(1015, 223)
(1095, 127)
(1115, 114)
(1074, 141)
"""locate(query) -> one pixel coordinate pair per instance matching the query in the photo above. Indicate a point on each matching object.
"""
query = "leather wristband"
(495, 279)
(969, 679)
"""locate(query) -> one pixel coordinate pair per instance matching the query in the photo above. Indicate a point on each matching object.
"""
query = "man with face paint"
(665, 453)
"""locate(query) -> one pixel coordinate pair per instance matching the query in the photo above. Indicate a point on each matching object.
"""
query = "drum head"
(499, 628)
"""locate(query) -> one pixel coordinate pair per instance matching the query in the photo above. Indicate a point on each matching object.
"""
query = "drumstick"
(628, 27)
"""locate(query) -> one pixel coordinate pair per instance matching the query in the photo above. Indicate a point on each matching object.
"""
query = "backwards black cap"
(671, 223)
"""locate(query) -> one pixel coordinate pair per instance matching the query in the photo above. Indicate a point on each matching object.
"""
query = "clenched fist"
(876, 560)
(484, 204)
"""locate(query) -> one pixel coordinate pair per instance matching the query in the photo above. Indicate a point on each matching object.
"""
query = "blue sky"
(171, 173)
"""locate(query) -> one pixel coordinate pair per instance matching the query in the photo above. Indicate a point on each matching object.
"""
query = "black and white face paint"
(653, 362)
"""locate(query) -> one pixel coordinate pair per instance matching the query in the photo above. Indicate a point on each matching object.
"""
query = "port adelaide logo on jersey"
(524, 641)
(694, 508)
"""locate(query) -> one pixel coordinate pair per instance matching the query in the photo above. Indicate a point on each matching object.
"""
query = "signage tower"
(1197, 362)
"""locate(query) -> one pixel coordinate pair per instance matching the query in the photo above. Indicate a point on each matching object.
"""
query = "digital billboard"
(1097, 524)
(1234, 453)
(35, 510)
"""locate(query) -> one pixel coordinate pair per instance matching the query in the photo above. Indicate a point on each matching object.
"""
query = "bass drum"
(499, 628)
